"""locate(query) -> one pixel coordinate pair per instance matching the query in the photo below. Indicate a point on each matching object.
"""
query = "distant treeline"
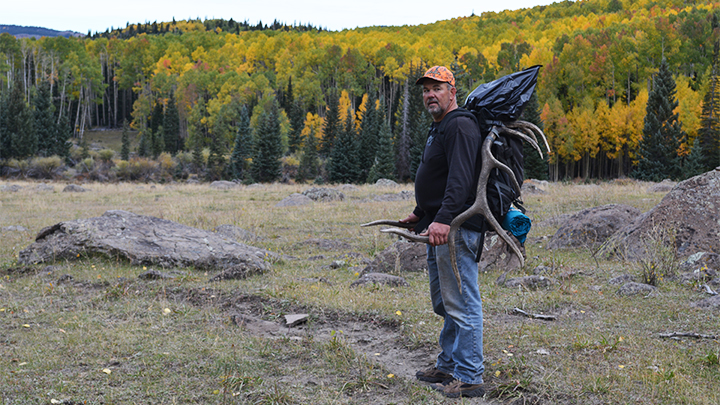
(601, 61)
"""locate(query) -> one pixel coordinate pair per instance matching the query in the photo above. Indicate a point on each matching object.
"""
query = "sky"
(97, 16)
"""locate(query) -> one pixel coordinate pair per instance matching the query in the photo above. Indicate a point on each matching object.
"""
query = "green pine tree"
(693, 164)
(145, 144)
(535, 167)
(243, 146)
(332, 124)
(156, 117)
(709, 132)
(268, 150)
(171, 127)
(384, 167)
(125, 149)
(44, 120)
(20, 129)
(4, 136)
(368, 141)
(216, 161)
(297, 122)
(198, 160)
(308, 168)
(662, 132)
(158, 142)
(342, 166)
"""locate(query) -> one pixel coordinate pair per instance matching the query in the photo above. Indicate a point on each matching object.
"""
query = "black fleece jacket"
(446, 179)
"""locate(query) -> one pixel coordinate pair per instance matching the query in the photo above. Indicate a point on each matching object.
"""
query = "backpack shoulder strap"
(458, 112)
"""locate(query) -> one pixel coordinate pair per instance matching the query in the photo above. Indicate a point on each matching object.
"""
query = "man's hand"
(437, 233)
(412, 218)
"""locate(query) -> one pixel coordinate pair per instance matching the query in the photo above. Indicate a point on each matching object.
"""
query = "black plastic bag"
(503, 99)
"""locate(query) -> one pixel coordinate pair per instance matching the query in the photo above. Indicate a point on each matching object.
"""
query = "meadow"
(89, 331)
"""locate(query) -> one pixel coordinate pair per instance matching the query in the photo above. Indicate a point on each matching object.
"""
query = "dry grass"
(57, 339)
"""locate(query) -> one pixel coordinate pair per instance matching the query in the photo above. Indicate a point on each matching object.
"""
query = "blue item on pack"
(517, 223)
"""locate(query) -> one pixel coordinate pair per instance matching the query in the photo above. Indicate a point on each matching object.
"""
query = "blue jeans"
(461, 338)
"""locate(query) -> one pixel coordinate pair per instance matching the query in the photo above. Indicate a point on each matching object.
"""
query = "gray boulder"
(12, 188)
(633, 288)
(662, 187)
(497, 254)
(223, 185)
(593, 226)
(380, 278)
(700, 261)
(686, 220)
(323, 194)
(143, 240)
(399, 257)
(294, 199)
(386, 183)
(74, 188)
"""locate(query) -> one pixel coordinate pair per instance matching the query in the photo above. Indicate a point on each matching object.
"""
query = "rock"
(625, 278)
(238, 271)
(348, 187)
(386, 183)
(14, 228)
(662, 187)
(686, 220)
(701, 260)
(497, 254)
(154, 275)
(592, 226)
(401, 256)
(401, 196)
(531, 282)
(380, 278)
(325, 244)
(143, 240)
(13, 188)
(708, 303)
(532, 186)
(235, 233)
(633, 288)
(702, 275)
(295, 319)
(323, 194)
(74, 188)
(44, 187)
(294, 199)
(223, 185)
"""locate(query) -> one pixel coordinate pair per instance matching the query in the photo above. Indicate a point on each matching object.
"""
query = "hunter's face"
(437, 98)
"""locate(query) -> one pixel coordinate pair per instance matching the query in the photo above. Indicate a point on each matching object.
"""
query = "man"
(445, 186)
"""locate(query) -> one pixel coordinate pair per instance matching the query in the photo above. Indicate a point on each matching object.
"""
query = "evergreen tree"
(536, 167)
(171, 127)
(709, 132)
(4, 138)
(343, 167)
(268, 150)
(158, 142)
(44, 120)
(694, 162)
(368, 141)
(216, 161)
(384, 167)
(125, 149)
(156, 117)
(197, 156)
(63, 133)
(331, 126)
(243, 146)
(19, 121)
(145, 144)
(662, 132)
(308, 168)
(297, 120)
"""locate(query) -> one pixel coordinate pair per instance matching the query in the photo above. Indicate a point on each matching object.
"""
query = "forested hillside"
(228, 87)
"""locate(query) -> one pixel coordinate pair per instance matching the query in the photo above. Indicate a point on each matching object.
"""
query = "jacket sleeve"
(461, 145)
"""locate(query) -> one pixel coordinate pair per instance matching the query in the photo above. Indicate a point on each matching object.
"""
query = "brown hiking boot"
(433, 375)
(457, 389)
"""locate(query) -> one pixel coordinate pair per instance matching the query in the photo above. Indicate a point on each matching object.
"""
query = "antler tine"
(481, 206)
(532, 127)
(411, 236)
(408, 225)
(525, 137)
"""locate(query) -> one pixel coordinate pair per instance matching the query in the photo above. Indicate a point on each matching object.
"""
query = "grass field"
(90, 331)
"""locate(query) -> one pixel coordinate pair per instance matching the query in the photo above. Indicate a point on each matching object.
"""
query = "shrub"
(106, 155)
(45, 167)
(142, 169)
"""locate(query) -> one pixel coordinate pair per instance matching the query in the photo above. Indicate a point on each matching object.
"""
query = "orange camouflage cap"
(438, 73)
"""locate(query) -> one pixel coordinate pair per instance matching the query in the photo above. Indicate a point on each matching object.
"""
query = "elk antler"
(525, 131)
(521, 129)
